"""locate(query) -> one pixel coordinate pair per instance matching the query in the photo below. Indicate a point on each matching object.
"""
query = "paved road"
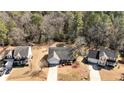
(52, 74)
(94, 74)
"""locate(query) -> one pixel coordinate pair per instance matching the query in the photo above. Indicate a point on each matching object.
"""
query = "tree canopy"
(100, 28)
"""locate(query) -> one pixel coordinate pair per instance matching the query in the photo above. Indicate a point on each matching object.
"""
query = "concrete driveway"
(52, 74)
(4, 77)
(94, 74)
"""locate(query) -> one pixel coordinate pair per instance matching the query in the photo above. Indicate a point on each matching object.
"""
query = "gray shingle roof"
(93, 54)
(1, 62)
(109, 53)
(8, 53)
(64, 53)
(21, 51)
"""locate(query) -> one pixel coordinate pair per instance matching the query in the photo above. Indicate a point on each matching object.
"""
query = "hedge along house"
(60, 55)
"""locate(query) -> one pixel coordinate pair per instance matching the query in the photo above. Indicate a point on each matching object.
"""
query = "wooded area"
(95, 28)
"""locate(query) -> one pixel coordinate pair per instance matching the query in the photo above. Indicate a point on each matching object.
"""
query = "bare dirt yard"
(24, 73)
(114, 74)
(76, 72)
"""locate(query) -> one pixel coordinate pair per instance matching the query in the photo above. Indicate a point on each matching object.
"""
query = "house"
(60, 55)
(8, 54)
(7, 62)
(16, 57)
(107, 57)
(109, 54)
(102, 57)
(22, 54)
(92, 57)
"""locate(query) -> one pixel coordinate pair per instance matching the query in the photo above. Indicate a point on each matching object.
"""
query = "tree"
(53, 26)
(98, 28)
(78, 23)
(17, 37)
(3, 31)
(117, 34)
(36, 19)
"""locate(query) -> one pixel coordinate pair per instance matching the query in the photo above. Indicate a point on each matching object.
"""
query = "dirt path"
(94, 74)
(38, 53)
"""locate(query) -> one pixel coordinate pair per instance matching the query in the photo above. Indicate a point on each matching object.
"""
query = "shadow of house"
(121, 52)
(43, 62)
(60, 55)
(121, 56)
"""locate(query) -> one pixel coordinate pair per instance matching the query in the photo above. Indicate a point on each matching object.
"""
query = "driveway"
(94, 74)
(52, 74)
(4, 77)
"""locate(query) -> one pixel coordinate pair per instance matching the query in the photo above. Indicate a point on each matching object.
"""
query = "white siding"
(92, 60)
(29, 52)
(53, 60)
